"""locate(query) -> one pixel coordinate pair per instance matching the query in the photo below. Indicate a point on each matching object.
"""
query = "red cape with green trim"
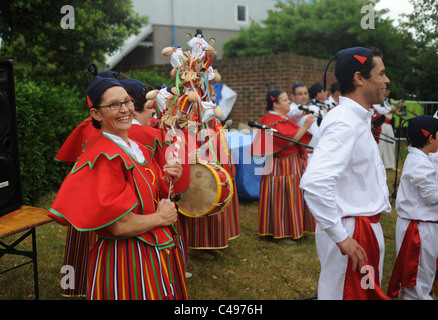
(104, 185)
(154, 139)
(75, 142)
(264, 145)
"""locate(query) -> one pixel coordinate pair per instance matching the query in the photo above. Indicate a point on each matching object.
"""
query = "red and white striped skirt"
(283, 212)
(130, 269)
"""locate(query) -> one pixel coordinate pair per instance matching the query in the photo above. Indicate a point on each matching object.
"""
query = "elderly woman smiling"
(115, 190)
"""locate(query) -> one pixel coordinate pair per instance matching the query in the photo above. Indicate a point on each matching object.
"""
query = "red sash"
(404, 274)
(365, 286)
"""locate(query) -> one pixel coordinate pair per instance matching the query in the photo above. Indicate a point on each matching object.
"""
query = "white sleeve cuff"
(337, 233)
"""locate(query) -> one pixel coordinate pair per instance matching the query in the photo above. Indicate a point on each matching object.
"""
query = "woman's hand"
(172, 170)
(167, 212)
(131, 224)
(309, 121)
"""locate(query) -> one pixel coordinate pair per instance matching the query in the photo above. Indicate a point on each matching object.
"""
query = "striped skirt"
(130, 269)
(77, 247)
(283, 212)
(214, 231)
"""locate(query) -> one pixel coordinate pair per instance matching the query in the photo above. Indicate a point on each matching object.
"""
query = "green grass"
(251, 268)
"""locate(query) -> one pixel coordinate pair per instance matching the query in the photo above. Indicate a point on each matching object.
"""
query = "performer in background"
(387, 145)
(298, 113)
(127, 208)
(417, 209)
(283, 212)
(345, 182)
(318, 95)
(333, 99)
(434, 157)
(208, 235)
(299, 97)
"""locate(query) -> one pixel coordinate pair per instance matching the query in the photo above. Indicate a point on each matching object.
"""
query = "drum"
(210, 191)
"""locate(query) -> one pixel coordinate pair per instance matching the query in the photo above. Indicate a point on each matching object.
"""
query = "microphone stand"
(377, 137)
(289, 139)
(381, 133)
(394, 192)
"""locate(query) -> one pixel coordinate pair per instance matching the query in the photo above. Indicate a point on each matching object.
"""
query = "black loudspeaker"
(11, 197)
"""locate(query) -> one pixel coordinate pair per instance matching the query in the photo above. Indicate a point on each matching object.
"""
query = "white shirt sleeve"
(422, 176)
(319, 180)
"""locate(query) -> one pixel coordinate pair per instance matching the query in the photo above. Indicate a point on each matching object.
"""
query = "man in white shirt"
(345, 183)
(333, 99)
(417, 210)
(387, 148)
(300, 97)
(318, 93)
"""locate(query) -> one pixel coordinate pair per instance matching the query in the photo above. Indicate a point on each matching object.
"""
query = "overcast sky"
(396, 7)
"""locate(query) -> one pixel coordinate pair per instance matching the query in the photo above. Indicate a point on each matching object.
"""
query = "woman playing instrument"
(115, 190)
(282, 210)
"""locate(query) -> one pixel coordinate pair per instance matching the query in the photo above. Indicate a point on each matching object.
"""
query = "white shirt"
(383, 109)
(298, 117)
(345, 176)
(331, 102)
(417, 196)
(294, 113)
(132, 148)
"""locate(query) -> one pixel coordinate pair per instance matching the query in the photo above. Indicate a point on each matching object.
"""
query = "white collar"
(276, 113)
(132, 148)
(356, 107)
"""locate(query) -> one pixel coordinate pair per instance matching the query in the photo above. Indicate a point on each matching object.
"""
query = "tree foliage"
(424, 69)
(34, 38)
(323, 28)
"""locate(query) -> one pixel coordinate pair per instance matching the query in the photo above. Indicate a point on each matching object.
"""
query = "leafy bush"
(150, 77)
(46, 114)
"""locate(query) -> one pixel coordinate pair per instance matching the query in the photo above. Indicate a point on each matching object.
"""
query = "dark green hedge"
(46, 114)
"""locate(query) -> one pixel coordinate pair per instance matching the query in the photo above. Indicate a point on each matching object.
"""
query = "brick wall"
(250, 77)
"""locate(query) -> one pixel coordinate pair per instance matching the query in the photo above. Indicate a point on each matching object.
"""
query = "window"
(241, 13)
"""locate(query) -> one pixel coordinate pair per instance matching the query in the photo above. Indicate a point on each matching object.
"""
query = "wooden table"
(26, 218)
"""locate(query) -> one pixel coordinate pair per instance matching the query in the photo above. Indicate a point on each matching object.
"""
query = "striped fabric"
(77, 246)
(233, 218)
(130, 270)
(214, 231)
(282, 210)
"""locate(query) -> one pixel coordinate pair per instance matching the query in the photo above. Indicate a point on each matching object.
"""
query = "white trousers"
(427, 263)
(334, 264)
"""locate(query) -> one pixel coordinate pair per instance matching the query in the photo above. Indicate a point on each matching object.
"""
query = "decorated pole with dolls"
(188, 114)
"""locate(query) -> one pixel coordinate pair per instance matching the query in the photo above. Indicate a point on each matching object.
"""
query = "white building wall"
(173, 21)
(212, 14)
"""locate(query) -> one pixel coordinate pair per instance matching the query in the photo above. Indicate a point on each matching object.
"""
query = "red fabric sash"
(359, 285)
(404, 274)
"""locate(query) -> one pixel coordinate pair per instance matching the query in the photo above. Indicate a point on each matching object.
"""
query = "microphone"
(228, 123)
(300, 107)
(254, 124)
